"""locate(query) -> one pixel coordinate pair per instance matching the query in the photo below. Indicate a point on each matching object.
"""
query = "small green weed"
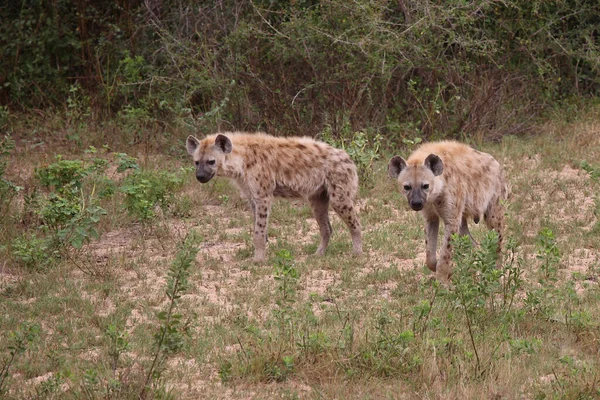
(118, 344)
(591, 169)
(287, 276)
(548, 254)
(480, 292)
(170, 336)
(18, 344)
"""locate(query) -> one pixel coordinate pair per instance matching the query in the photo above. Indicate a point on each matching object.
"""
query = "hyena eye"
(211, 162)
(425, 186)
(197, 163)
(407, 187)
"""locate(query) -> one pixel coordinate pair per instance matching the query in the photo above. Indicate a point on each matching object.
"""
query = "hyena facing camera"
(264, 166)
(453, 182)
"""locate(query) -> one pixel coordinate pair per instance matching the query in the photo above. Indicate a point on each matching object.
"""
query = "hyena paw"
(357, 252)
(320, 251)
(432, 265)
(357, 247)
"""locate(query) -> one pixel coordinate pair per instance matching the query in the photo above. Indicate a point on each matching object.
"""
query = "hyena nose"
(416, 205)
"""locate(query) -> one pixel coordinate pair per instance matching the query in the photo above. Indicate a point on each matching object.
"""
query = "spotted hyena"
(264, 166)
(453, 182)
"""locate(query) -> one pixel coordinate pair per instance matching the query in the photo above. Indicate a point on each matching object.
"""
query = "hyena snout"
(416, 205)
(416, 201)
(204, 176)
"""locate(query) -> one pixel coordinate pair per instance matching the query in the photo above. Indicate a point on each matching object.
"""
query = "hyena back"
(453, 182)
(264, 166)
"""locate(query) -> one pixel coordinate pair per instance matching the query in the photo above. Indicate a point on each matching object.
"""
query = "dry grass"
(346, 310)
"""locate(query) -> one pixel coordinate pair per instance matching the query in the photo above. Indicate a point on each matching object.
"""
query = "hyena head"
(416, 180)
(208, 156)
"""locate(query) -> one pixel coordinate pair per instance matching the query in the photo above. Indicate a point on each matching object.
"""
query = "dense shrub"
(404, 67)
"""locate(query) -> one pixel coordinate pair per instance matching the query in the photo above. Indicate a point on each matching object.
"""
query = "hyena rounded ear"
(223, 143)
(192, 144)
(435, 164)
(395, 166)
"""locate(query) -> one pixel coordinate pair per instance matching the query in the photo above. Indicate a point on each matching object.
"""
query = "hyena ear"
(395, 166)
(223, 143)
(192, 144)
(435, 164)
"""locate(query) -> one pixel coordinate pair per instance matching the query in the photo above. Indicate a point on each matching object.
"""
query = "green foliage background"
(405, 68)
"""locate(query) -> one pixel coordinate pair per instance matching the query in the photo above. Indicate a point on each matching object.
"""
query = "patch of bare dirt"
(585, 263)
(111, 243)
(563, 196)
(7, 278)
(223, 251)
(318, 281)
(581, 261)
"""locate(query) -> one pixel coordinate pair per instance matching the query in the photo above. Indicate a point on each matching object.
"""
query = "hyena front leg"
(262, 208)
(451, 226)
(320, 208)
(432, 226)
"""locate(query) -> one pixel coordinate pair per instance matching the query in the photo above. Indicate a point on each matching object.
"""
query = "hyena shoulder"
(451, 152)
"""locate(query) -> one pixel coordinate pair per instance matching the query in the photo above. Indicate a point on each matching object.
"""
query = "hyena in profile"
(264, 166)
(451, 181)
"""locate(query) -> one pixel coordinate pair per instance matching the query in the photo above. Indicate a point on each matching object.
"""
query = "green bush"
(406, 69)
(8, 189)
(145, 190)
(362, 147)
(69, 212)
(33, 253)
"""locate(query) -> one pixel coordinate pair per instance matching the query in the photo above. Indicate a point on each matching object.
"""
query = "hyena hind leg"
(345, 209)
(464, 231)
(320, 207)
(494, 219)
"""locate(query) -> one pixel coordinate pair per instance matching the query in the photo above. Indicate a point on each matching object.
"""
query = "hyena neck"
(232, 167)
(438, 189)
